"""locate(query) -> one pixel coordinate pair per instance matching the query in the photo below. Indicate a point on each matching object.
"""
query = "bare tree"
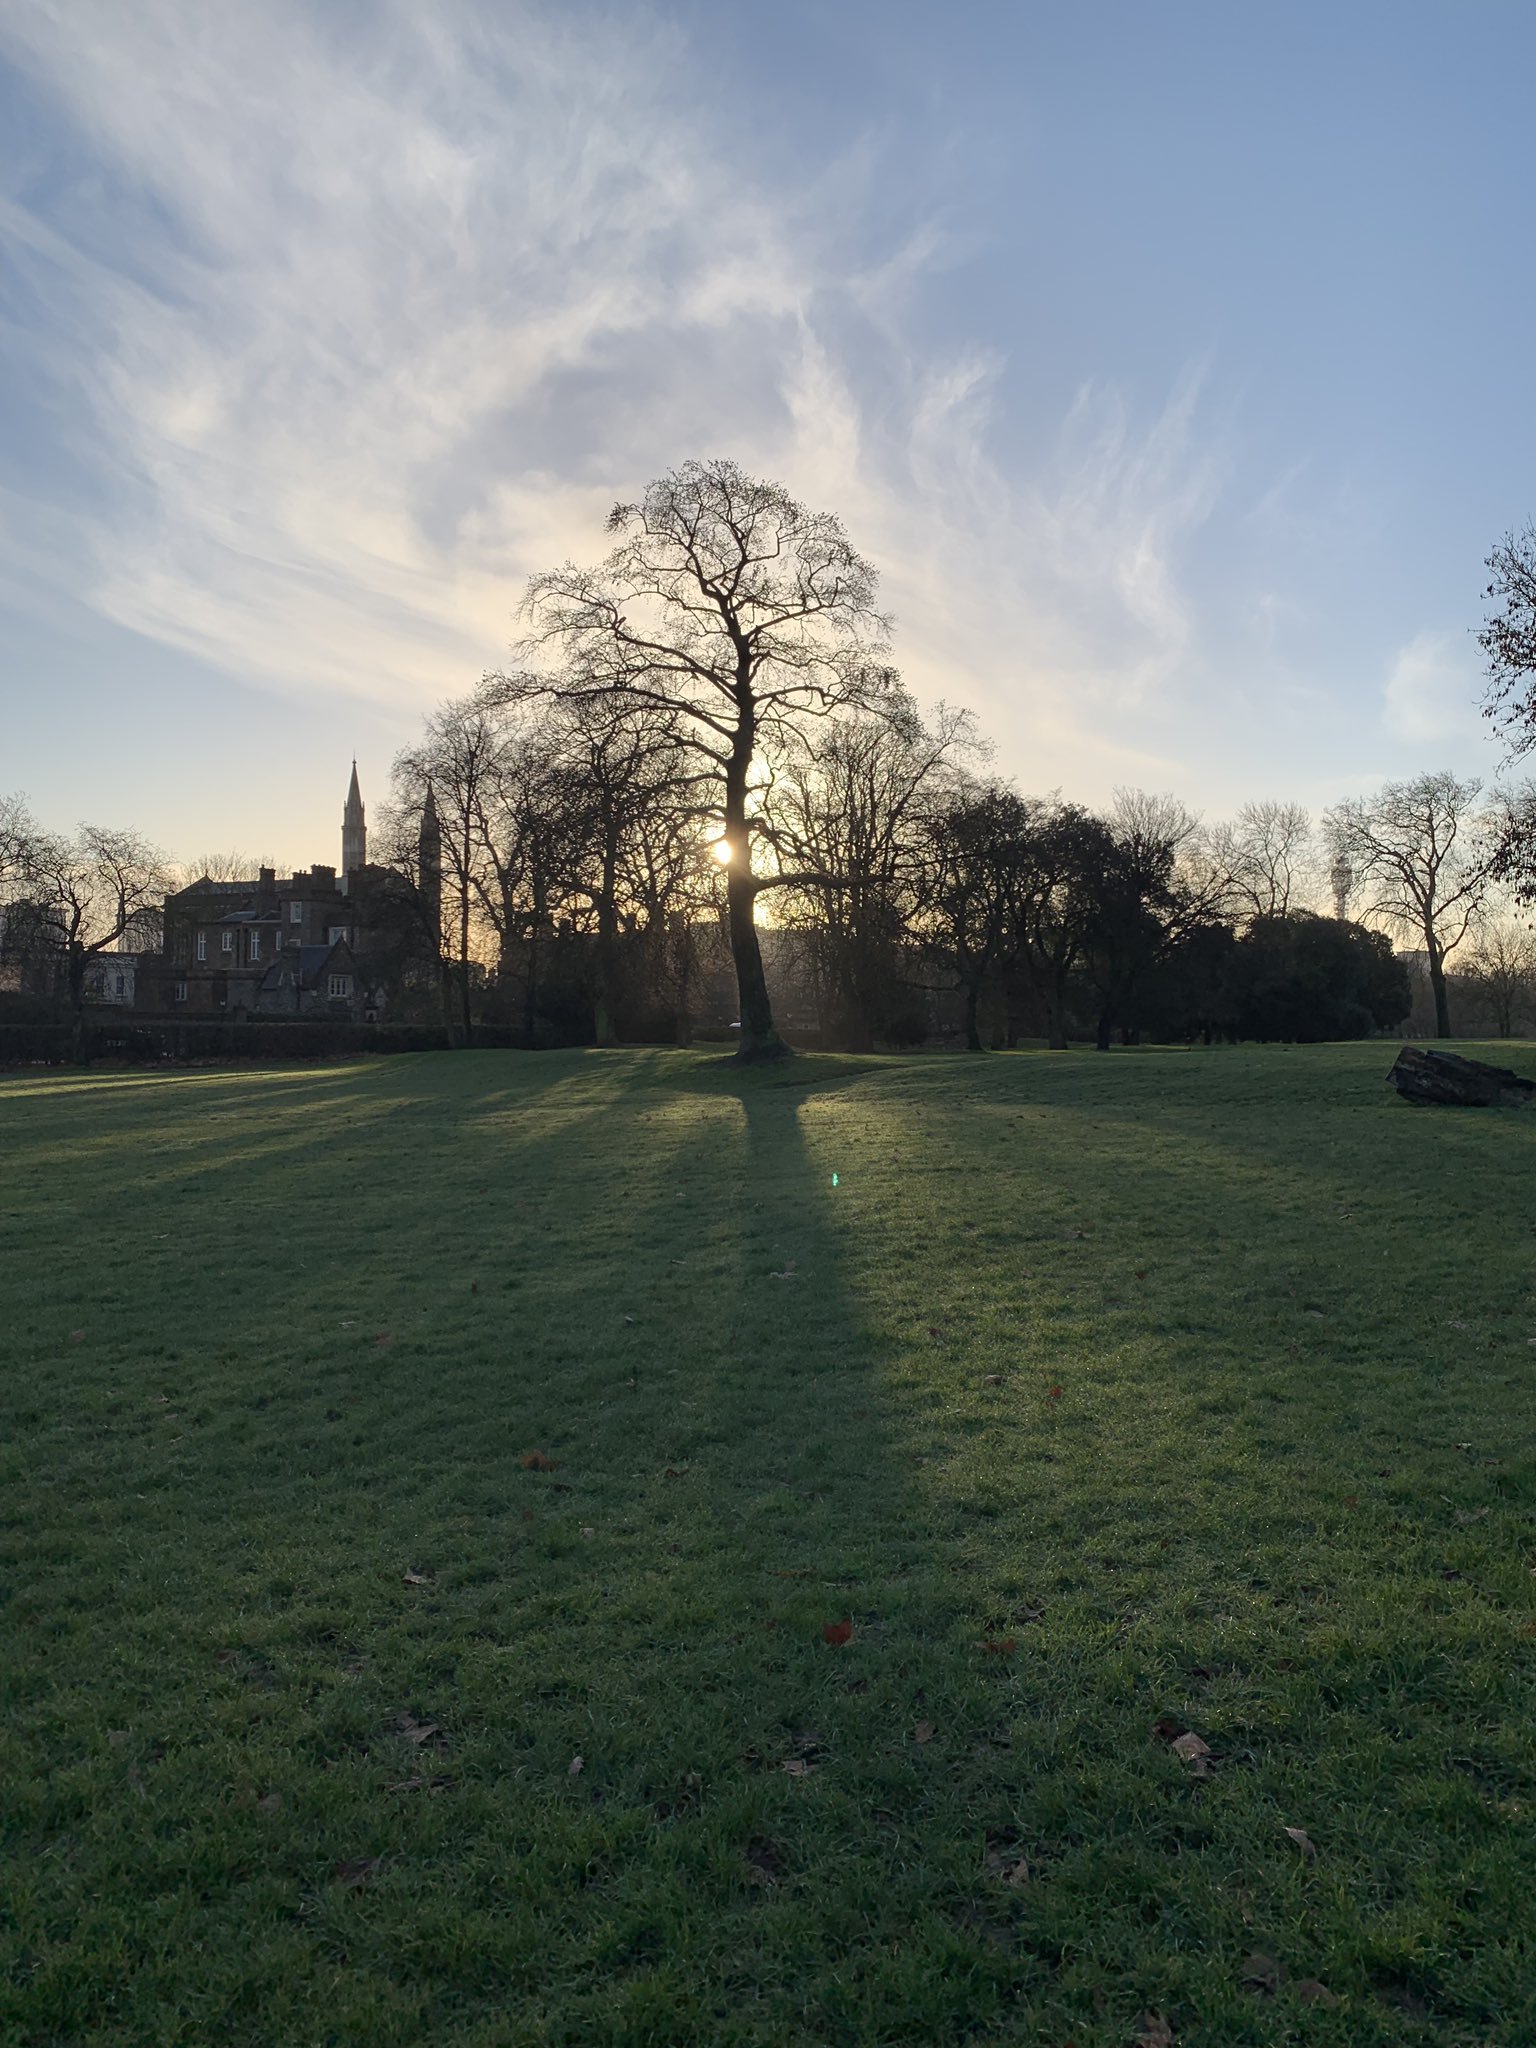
(456, 758)
(1500, 968)
(19, 832)
(87, 894)
(731, 608)
(849, 807)
(1267, 853)
(1422, 853)
(1508, 640)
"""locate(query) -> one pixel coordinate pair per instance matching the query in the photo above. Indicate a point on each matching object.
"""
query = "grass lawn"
(427, 1484)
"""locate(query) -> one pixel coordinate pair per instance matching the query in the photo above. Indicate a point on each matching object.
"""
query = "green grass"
(1258, 1459)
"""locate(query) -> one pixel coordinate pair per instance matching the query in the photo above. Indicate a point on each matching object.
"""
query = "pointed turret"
(354, 832)
(429, 853)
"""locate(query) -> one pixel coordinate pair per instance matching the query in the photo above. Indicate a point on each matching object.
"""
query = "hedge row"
(54, 1045)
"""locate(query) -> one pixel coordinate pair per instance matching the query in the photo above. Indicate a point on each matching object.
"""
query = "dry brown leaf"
(1303, 1841)
(537, 1461)
(765, 1865)
(1466, 1515)
(575, 1767)
(797, 1767)
(117, 1737)
(992, 1379)
(270, 1802)
(924, 1732)
(417, 1731)
(416, 1578)
(1190, 1747)
(999, 1646)
(1311, 1992)
(357, 1871)
(1154, 2032)
(837, 1632)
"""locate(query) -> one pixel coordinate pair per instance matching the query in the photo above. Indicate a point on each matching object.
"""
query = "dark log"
(1446, 1077)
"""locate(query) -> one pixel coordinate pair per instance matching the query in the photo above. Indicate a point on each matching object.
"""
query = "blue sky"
(1170, 361)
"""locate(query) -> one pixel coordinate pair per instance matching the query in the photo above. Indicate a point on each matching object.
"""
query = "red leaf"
(1054, 1394)
(837, 1632)
(999, 1646)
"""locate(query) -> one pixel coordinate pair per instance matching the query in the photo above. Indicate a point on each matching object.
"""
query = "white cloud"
(392, 305)
(1432, 690)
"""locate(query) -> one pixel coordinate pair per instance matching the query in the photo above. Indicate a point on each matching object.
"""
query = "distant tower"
(354, 832)
(429, 853)
(1343, 880)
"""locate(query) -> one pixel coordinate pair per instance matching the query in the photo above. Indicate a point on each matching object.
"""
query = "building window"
(227, 940)
(255, 945)
(119, 988)
(295, 913)
(341, 984)
(179, 993)
(337, 933)
(202, 945)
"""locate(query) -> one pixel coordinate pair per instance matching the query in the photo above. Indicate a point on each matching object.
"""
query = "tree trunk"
(1106, 1029)
(1055, 1021)
(1442, 1003)
(972, 1019)
(759, 1037)
(607, 950)
(76, 1001)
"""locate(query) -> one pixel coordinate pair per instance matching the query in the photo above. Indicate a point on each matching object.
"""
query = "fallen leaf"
(384, 1339)
(1262, 1973)
(1053, 1394)
(537, 1461)
(1141, 1272)
(575, 1767)
(77, 1336)
(992, 1379)
(837, 1632)
(415, 1578)
(1190, 1747)
(671, 1473)
(589, 1532)
(1014, 1873)
(1466, 1515)
(999, 1646)
(932, 1333)
(764, 1863)
(417, 1731)
(1031, 1611)
(924, 1732)
(271, 1802)
(1311, 1992)
(1303, 1841)
(419, 1784)
(797, 1767)
(1155, 2032)
(787, 1274)
(117, 1737)
(1167, 1729)
(356, 1872)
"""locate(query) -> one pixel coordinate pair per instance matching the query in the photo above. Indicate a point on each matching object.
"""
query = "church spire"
(354, 832)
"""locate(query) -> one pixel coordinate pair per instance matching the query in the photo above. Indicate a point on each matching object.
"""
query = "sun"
(721, 849)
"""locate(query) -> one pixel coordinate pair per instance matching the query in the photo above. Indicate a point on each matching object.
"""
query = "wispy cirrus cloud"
(361, 319)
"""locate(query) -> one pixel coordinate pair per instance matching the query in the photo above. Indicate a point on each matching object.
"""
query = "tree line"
(702, 746)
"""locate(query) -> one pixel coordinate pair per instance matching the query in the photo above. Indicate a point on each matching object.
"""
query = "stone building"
(316, 943)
